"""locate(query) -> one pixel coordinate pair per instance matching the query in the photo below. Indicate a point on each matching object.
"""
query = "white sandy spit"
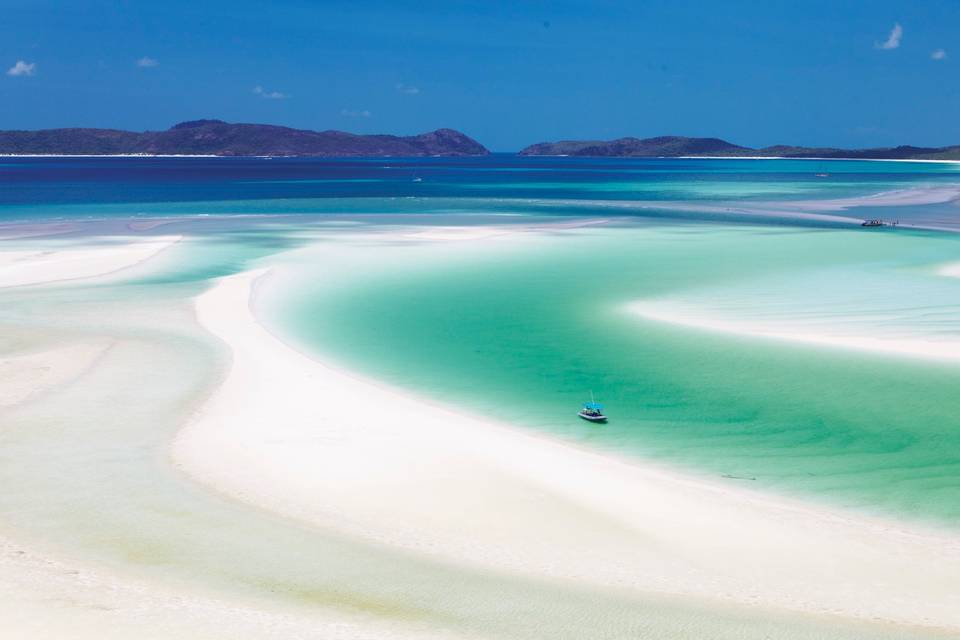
(951, 270)
(894, 198)
(39, 265)
(294, 435)
(944, 349)
(825, 210)
(836, 210)
(784, 210)
(486, 231)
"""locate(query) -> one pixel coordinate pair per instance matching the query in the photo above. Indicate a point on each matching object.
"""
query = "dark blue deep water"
(48, 188)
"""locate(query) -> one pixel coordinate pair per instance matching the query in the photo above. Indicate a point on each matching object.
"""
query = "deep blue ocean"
(49, 188)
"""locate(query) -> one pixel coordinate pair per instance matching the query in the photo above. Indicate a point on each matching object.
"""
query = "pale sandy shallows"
(37, 266)
(47, 593)
(291, 434)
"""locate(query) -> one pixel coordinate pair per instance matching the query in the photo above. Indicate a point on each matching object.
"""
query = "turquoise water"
(520, 329)
(524, 334)
(55, 188)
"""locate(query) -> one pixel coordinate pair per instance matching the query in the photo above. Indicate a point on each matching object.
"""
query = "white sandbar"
(951, 270)
(939, 348)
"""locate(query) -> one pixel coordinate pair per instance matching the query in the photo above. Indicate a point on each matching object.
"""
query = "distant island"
(675, 146)
(219, 138)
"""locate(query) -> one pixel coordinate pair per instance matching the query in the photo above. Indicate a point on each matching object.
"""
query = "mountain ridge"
(219, 138)
(210, 137)
(677, 146)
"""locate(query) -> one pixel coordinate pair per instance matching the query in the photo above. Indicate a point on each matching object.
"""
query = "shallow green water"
(523, 334)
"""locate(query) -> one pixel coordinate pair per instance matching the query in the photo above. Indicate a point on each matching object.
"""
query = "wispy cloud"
(22, 68)
(271, 95)
(893, 40)
(146, 62)
(407, 89)
(938, 54)
(356, 113)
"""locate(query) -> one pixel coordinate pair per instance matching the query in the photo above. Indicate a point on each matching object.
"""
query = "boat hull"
(590, 418)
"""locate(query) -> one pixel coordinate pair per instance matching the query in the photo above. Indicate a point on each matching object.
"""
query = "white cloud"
(22, 69)
(271, 95)
(893, 40)
(353, 113)
(938, 54)
(147, 62)
(407, 89)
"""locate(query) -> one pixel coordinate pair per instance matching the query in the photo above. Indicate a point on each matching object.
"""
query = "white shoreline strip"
(292, 435)
(117, 155)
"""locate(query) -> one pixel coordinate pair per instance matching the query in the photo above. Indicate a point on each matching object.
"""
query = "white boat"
(592, 411)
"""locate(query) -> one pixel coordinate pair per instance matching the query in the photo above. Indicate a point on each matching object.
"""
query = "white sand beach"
(296, 436)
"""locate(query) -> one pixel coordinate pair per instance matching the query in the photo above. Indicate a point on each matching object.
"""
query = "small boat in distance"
(873, 223)
(592, 411)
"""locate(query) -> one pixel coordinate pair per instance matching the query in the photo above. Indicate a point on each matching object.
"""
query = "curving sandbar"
(928, 348)
(296, 436)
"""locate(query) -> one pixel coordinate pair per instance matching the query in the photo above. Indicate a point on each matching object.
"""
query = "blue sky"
(507, 73)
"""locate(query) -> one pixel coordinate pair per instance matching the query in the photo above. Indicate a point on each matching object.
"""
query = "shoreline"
(340, 452)
(568, 155)
(120, 155)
